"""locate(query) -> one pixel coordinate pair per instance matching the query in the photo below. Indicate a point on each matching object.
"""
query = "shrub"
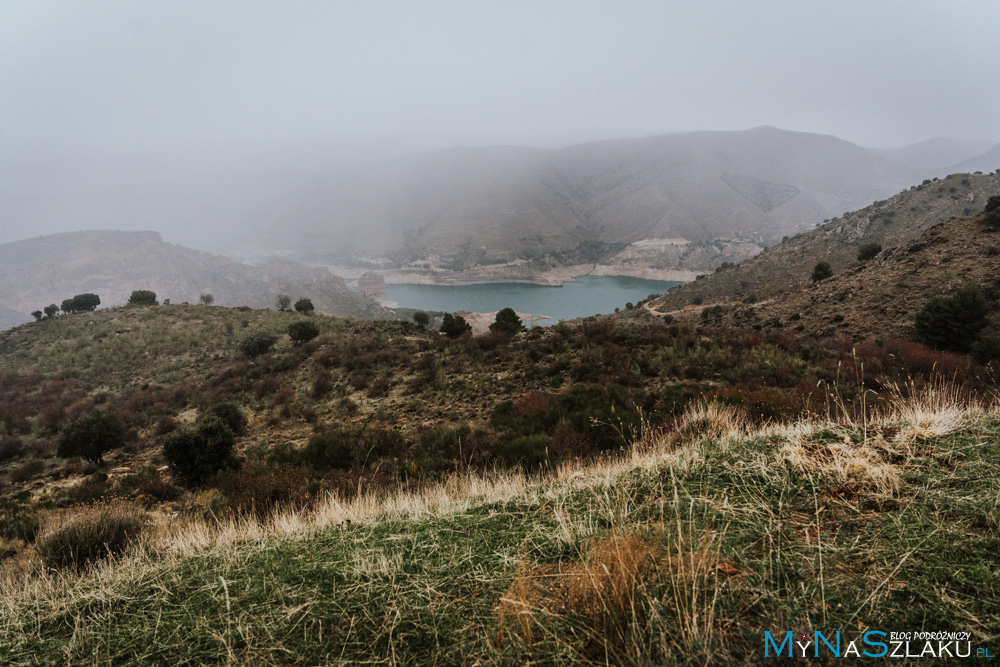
(89, 534)
(952, 323)
(283, 302)
(142, 297)
(305, 306)
(332, 449)
(507, 323)
(992, 210)
(530, 452)
(821, 271)
(986, 350)
(302, 331)
(206, 299)
(869, 251)
(421, 318)
(454, 326)
(257, 344)
(698, 300)
(92, 436)
(231, 415)
(37, 314)
(197, 455)
(51, 310)
(81, 303)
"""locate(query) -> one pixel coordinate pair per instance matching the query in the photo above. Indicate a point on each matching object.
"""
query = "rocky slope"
(892, 222)
(878, 300)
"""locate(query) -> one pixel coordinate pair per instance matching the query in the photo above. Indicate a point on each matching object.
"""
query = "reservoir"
(587, 295)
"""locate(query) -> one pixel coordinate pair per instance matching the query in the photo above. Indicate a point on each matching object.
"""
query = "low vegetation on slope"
(842, 242)
(685, 549)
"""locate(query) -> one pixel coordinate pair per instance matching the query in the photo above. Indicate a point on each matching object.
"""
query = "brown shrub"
(608, 592)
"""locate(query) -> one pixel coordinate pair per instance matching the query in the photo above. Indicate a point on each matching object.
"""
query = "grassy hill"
(48, 269)
(894, 222)
(609, 490)
(685, 549)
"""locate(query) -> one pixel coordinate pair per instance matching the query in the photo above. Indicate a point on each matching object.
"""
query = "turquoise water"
(587, 295)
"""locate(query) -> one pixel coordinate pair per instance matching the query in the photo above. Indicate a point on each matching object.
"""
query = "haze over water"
(587, 295)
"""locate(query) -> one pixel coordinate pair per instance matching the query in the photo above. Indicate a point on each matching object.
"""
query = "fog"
(100, 91)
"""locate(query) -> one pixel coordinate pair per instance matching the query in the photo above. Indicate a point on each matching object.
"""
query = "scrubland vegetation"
(622, 491)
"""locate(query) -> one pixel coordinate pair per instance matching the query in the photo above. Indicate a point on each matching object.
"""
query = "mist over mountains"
(757, 185)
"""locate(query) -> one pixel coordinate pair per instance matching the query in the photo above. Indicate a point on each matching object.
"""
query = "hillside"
(111, 264)
(890, 223)
(687, 547)
(879, 299)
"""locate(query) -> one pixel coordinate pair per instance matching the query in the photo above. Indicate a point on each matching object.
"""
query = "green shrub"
(89, 534)
(507, 323)
(869, 251)
(454, 326)
(421, 318)
(81, 303)
(142, 297)
(952, 323)
(305, 306)
(302, 331)
(332, 449)
(530, 452)
(821, 271)
(986, 350)
(992, 210)
(257, 343)
(231, 415)
(91, 436)
(196, 455)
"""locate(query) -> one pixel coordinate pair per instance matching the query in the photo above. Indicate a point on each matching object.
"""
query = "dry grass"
(618, 590)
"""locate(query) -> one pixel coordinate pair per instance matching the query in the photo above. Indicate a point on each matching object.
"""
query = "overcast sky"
(129, 77)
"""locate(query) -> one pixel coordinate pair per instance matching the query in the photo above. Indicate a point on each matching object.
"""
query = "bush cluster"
(92, 436)
(197, 455)
(953, 323)
(89, 534)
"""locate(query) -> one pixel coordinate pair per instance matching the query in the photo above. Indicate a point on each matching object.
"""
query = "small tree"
(81, 303)
(869, 251)
(821, 271)
(37, 314)
(257, 344)
(142, 297)
(206, 299)
(51, 310)
(196, 455)
(283, 302)
(421, 318)
(302, 331)
(305, 306)
(952, 323)
(507, 323)
(91, 436)
(454, 326)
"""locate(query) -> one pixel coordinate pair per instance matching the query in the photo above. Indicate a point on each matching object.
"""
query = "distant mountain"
(512, 202)
(893, 222)
(465, 206)
(111, 264)
(938, 156)
(988, 161)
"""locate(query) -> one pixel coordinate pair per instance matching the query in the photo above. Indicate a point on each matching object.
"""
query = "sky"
(111, 98)
(135, 77)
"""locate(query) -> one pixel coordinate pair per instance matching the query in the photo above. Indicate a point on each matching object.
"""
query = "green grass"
(812, 548)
